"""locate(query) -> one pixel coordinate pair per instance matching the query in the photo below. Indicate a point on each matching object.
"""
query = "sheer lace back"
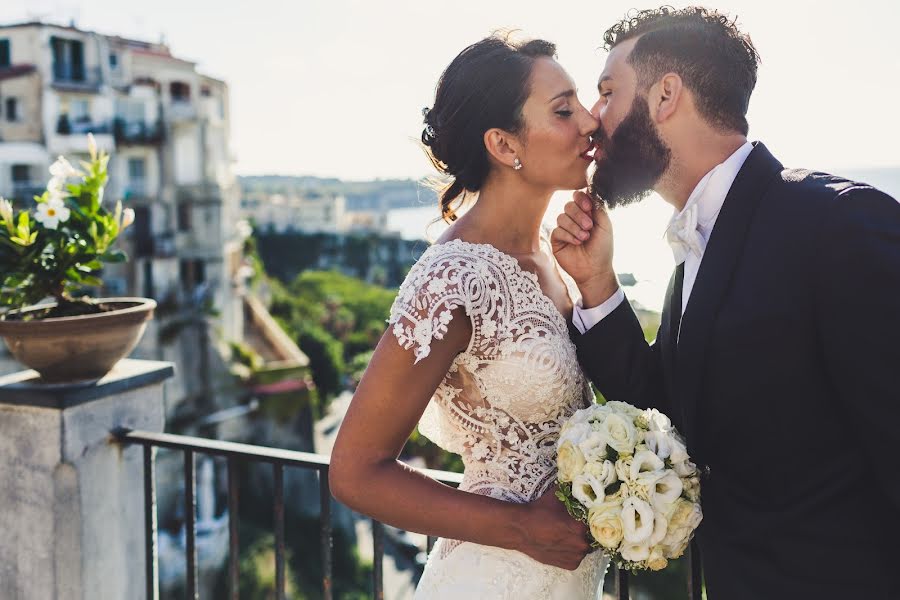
(502, 402)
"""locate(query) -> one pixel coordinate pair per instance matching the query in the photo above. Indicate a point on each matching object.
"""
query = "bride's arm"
(366, 475)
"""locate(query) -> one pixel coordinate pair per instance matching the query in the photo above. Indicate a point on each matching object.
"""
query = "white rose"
(581, 416)
(588, 490)
(574, 432)
(635, 552)
(637, 520)
(624, 408)
(593, 446)
(620, 433)
(658, 421)
(570, 461)
(604, 471)
(645, 461)
(684, 518)
(692, 488)
(605, 524)
(657, 560)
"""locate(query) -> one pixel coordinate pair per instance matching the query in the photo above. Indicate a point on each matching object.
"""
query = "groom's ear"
(502, 145)
(665, 97)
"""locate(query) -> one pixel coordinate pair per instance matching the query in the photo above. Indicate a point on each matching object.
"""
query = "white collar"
(705, 202)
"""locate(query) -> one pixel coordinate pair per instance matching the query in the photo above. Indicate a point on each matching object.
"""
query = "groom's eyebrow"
(603, 80)
(565, 94)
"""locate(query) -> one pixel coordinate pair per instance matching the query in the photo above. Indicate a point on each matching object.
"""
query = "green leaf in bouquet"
(92, 280)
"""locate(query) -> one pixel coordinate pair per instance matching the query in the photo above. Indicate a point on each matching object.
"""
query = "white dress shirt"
(688, 233)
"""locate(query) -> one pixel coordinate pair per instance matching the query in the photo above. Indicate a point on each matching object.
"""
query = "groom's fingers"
(575, 229)
(561, 237)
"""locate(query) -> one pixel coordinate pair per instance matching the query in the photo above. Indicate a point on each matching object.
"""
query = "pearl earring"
(517, 164)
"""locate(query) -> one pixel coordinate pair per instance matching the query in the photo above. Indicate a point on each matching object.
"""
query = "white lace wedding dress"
(500, 406)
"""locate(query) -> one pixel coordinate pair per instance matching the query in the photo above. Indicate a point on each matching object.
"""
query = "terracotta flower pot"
(81, 347)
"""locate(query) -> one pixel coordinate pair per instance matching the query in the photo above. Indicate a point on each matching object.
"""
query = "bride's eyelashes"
(564, 113)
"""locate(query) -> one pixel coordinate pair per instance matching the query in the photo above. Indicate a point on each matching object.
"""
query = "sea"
(641, 250)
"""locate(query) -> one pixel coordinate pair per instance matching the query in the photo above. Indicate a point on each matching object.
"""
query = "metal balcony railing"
(137, 132)
(279, 459)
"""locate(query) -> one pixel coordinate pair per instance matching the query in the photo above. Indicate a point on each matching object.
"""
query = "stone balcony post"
(71, 498)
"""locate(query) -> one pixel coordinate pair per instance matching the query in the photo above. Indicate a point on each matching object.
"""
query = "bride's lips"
(589, 153)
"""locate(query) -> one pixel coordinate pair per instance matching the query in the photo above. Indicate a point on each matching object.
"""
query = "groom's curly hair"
(715, 60)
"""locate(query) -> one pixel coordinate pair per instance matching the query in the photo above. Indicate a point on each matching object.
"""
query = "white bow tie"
(684, 236)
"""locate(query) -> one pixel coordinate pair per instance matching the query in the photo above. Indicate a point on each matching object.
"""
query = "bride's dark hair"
(484, 87)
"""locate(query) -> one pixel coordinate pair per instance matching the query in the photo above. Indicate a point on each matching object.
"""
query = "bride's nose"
(589, 123)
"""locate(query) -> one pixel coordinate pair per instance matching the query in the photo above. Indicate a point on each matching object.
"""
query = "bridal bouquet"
(627, 474)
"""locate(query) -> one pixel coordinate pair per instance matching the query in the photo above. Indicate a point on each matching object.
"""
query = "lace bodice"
(502, 402)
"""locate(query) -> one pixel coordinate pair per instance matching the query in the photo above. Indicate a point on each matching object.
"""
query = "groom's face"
(631, 157)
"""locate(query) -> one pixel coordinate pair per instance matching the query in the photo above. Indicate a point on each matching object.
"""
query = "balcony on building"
(181, 107)
(70, 73)
(137, 132)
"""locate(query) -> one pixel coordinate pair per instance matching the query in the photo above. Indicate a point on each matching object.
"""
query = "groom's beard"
(633, 159)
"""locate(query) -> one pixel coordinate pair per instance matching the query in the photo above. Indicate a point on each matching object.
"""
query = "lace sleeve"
(425, 303)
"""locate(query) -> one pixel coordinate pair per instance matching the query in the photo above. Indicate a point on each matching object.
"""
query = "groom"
(778, 355)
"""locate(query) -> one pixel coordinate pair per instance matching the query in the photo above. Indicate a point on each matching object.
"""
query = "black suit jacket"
(786, 382)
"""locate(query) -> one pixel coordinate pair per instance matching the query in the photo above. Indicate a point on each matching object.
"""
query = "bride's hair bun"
(484, 87)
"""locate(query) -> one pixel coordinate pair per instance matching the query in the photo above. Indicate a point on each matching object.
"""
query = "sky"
(336, 87)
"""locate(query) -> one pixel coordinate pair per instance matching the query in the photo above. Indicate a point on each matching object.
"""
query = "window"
(21, 174)
(136, 173)
(180, 91)
(184, 216)
(5, 59)
(113, 60)
(68, 59)
(11, 109)
(80, 111)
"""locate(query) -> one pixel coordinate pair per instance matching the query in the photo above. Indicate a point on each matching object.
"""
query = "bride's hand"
(553, 537)
(583, 245)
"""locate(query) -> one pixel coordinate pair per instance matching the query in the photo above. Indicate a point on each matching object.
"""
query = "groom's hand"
(583, 245)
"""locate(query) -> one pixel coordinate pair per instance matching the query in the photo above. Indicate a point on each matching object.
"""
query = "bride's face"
(556, 138)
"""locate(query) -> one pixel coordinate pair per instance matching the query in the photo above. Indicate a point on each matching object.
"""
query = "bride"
(478, 350)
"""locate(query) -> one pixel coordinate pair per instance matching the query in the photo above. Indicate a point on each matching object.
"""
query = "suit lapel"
(714, 277)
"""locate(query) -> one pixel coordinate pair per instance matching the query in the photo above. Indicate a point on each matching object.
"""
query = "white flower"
(637, 520)
(659, 443)
(588, 490)
(127, 217)
(624, 408)
(606, 524)
(660, 527)
(684, 519)
(679, 451)
(620, 433)
(593, 446)
(665, 490)
(51, 213)
(581, 416)
(658, 421)
(62, 169)
(657, 560)
(645, 461)
(574, 432)
(635, 552)
(6, 210)
(92, 146)
(604, 471)
(570, 461)
(685, 469)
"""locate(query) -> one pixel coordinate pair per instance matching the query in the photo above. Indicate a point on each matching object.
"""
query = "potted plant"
(56, 251)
